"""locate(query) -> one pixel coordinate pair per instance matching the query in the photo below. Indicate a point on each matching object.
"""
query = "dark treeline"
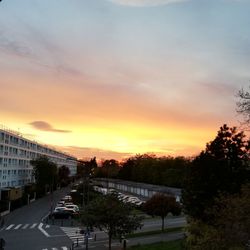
(168, 171)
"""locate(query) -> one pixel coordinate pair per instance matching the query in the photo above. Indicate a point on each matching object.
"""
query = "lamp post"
(87, 238)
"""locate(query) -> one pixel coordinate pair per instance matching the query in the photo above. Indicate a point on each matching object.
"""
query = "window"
(1, 136)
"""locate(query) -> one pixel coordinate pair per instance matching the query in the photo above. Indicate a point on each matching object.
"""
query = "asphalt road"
(26, 229)
(23, 228)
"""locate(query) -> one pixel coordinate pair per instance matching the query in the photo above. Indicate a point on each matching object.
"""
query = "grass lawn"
(170, 245)
(167, 230)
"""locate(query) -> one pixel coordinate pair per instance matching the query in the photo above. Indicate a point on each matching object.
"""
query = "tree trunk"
(162, 223)
(109, 241)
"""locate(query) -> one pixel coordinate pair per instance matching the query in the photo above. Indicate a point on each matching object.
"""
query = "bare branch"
(243, 106)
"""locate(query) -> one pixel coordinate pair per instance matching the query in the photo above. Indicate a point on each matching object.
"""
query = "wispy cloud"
(12, 47)
(44, 126)
(143, 3)
(85, 152)
(21, 49)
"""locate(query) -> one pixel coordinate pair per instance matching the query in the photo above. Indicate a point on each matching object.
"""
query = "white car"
(60, 204)
(72, 206)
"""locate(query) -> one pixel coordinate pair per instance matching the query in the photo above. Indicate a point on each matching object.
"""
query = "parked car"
(60, 204)
(67, 198)
(75, 207)
(68, 203)
(63, 213)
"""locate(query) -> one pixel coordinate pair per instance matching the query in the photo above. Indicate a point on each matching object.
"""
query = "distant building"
(16, 153)
(142, 190)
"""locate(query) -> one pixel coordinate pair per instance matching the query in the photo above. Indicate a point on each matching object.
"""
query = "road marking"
(54, 248)
(45, 216)
(33, 226)
(18, 226)
(72, 233)
(47, 226)
(10, 226)
(42, 230)
(25, 226)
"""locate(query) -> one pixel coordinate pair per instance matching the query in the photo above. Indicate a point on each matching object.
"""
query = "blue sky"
(124, 76)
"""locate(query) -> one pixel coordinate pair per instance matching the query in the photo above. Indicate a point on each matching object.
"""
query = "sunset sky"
(112, 78)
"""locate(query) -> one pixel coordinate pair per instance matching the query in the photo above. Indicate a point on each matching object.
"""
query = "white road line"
(33, 226)
(44, 217)
(10, 226)
(53, 248)
(64, 248)
(42, 230)
(76, 236)
(25, 226)
(47, 226)
(73, 234)
(18, 226)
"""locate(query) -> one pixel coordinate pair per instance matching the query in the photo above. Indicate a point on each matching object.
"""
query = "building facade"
(16, 153)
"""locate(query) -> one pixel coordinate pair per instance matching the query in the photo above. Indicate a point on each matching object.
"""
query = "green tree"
(126, 169)
(45, 173)
(222, 167)
(86, 168)
(230, 228)
(232, 217)
(63, 175)
(108, 169)
(108, 213)
(161, 205)
(148, 168)
(86, 171)
(201, 236)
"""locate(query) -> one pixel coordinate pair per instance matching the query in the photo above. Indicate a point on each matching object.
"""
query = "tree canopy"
(169, 171)
(63, 175)
(110, 214)
(45, 172)
(231, 224)
(221, 167)
(161, 205)
(108, 169)
(86, 168)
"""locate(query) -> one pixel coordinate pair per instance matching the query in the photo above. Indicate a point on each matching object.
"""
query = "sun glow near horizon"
(122, 142)
(111, 78)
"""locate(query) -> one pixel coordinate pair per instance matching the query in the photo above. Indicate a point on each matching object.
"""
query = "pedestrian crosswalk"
(22, 226)
(74, 234)
(57, 248)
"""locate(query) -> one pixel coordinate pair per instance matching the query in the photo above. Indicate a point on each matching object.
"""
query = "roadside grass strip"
(170, 245)
(147, 233)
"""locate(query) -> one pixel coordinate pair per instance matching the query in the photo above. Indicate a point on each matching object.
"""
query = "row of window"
(10, 139)
(10, 162)
(12, 151)
(14, 183)
(16, 171)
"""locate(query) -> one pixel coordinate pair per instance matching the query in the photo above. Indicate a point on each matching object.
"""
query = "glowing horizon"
(114, 78)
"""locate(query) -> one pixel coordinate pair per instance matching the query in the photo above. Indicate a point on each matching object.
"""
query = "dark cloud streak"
(44, 126)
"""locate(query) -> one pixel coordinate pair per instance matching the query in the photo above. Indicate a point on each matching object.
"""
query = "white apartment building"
(16, 153)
